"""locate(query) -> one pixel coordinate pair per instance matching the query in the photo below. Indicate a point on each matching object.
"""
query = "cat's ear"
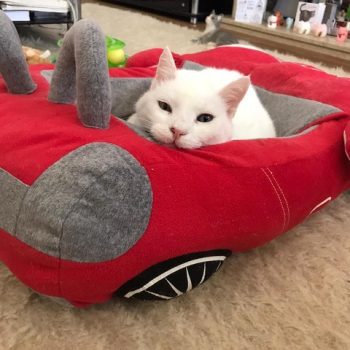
(166, 69)
(233, 93)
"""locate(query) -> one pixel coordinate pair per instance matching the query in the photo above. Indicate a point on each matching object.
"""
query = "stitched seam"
(345, 145)
(320, 205)
(19, 214)
(72, 207)
(278, 196)
(283, 195)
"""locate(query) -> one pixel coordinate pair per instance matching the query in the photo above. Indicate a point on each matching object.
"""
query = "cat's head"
(183, 107)
(213, 19)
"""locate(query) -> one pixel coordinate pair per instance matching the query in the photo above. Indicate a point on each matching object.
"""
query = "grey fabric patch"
(192, 66)
(12, 192)
(81, 74)
(125, 94)
(290, 114)
(91, 206)
(13, 66)
(47, 74)
(302, 133)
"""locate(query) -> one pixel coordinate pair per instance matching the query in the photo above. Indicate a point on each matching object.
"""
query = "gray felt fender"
(92, 205)
(13, 66)
(81, 74)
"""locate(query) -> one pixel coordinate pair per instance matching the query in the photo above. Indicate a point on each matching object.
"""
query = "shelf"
(326, 50)
(67, 20)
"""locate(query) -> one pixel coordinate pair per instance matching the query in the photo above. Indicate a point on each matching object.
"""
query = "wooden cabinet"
(326, 50)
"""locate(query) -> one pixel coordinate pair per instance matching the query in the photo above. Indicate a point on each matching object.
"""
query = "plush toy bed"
(89, 213)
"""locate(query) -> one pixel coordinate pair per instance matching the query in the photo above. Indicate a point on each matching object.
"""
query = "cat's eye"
(164, 106)
(205, 118)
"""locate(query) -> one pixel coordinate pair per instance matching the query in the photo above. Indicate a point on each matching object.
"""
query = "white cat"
(191, 109)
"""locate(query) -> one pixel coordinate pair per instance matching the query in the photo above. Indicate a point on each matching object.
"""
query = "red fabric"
(236, 196)
(149, 58)
(241, 59)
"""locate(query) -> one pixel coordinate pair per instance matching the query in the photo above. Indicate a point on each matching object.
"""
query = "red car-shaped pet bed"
(87, 213)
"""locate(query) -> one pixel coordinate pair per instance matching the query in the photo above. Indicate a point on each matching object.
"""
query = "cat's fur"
(226, 95)
(213, 33)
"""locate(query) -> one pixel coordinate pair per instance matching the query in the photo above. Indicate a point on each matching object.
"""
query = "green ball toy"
(115, 54)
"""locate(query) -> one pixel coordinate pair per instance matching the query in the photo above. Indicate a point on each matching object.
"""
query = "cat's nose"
(177, 132)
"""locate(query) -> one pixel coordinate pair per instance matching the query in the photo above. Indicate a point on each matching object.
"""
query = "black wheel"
(172, 278)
